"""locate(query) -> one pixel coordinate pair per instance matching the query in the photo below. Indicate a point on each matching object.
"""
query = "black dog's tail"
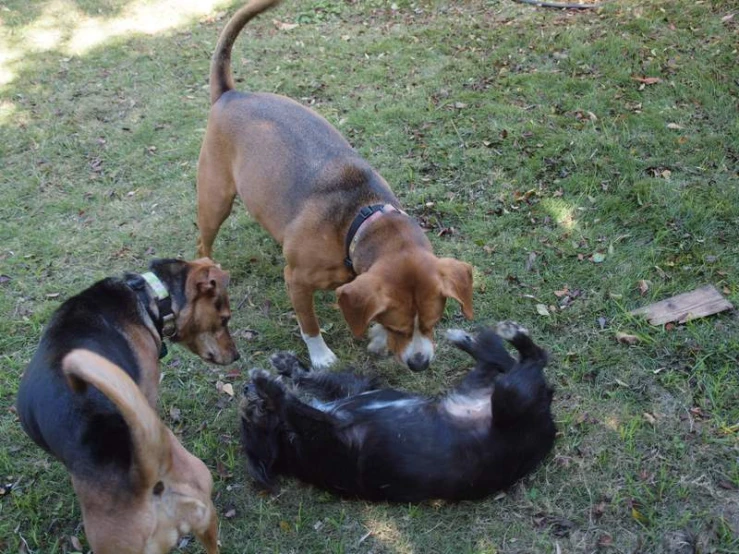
(221, 78)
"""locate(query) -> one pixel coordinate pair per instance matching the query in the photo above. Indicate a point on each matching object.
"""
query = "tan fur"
(202, 322)
(302, 181)
(171, 487)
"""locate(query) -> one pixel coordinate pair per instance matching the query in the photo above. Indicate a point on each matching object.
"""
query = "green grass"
(522, 131)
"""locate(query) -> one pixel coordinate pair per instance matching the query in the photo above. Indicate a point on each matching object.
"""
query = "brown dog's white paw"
(509, 329)
(321, 356)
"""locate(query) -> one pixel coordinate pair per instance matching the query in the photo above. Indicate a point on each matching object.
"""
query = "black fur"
(383, 444)
(86, 431)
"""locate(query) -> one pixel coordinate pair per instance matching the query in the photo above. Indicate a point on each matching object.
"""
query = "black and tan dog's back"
(123, 321)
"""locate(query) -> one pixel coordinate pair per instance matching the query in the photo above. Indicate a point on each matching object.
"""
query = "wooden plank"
(698, 303)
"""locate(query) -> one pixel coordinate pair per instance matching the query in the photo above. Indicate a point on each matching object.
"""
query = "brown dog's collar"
(366, 214)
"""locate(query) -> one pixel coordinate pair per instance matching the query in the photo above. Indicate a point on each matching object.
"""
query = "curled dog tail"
(148, 434)
(221, 78)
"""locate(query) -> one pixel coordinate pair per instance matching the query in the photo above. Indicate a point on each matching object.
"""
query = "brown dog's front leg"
(301, 296)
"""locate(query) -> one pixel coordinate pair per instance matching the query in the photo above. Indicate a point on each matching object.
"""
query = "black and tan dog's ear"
(361, 301)
(456, 282)
(209, 277)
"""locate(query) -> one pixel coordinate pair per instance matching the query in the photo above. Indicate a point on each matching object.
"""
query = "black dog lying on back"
(383, 444)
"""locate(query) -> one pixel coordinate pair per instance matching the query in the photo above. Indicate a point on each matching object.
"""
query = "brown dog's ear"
(456, 282)
(361, 301)
(209, 278)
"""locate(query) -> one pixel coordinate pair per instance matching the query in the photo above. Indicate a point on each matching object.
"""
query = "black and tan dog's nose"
(418, 362)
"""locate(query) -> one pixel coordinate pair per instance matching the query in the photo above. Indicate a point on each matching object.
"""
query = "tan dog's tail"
(148, 434)
(221, 78)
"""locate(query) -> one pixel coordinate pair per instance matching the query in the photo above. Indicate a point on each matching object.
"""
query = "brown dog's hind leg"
(216, 193)
(301, 296)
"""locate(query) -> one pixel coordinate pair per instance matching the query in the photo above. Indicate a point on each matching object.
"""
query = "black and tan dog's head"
(200, 300)
(406, 296)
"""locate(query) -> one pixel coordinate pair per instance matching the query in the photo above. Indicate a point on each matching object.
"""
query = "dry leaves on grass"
(625, 338)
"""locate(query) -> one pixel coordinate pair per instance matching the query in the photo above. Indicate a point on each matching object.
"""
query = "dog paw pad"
(509, 329)
(458, 336)
(286, 363)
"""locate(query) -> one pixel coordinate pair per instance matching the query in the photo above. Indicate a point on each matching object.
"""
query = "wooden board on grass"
(701, 302)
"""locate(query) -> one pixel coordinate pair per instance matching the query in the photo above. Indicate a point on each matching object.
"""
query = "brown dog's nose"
(236, 355)
(418, 362)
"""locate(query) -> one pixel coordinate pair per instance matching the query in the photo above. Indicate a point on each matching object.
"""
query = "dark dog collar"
(164, 321)
(366, 213)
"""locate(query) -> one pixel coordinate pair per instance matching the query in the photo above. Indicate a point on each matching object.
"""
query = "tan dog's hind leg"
(301, 296)
(216, 193)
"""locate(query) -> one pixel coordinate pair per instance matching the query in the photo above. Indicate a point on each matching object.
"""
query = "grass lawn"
(586, 162)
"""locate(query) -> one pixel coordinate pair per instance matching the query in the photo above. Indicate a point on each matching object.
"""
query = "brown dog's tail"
(221, 79)
(148, 434)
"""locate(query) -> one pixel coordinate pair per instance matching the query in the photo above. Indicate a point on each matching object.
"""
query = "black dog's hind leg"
(519, 337)
(522, 392)
(326, 386)
(489, 352)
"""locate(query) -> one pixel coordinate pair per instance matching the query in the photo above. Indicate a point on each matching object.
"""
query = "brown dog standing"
(139, 489)
(339, 223)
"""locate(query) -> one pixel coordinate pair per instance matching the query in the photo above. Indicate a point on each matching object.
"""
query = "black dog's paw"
(460, 338)
(263, 393)
(287, 364)
(510, 330)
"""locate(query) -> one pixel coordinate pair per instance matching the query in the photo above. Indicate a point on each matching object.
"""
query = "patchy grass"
(526, 143)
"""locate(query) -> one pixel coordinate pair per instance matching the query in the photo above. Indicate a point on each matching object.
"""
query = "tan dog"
(167, 489)
(339, 223)
(116, 460)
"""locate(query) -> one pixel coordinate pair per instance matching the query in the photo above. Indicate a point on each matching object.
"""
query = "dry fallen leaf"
(285, 526)
(76, 544)
(282, 26)
(541, 309)
(674, 126)
(647, 80)
(643, 287)
(625, 338)
(650, 418)
(228, 389)
(638, 516)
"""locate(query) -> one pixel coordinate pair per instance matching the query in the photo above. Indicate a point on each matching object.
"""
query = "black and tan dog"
(123, 322)
(384, 444)
(339, 223)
